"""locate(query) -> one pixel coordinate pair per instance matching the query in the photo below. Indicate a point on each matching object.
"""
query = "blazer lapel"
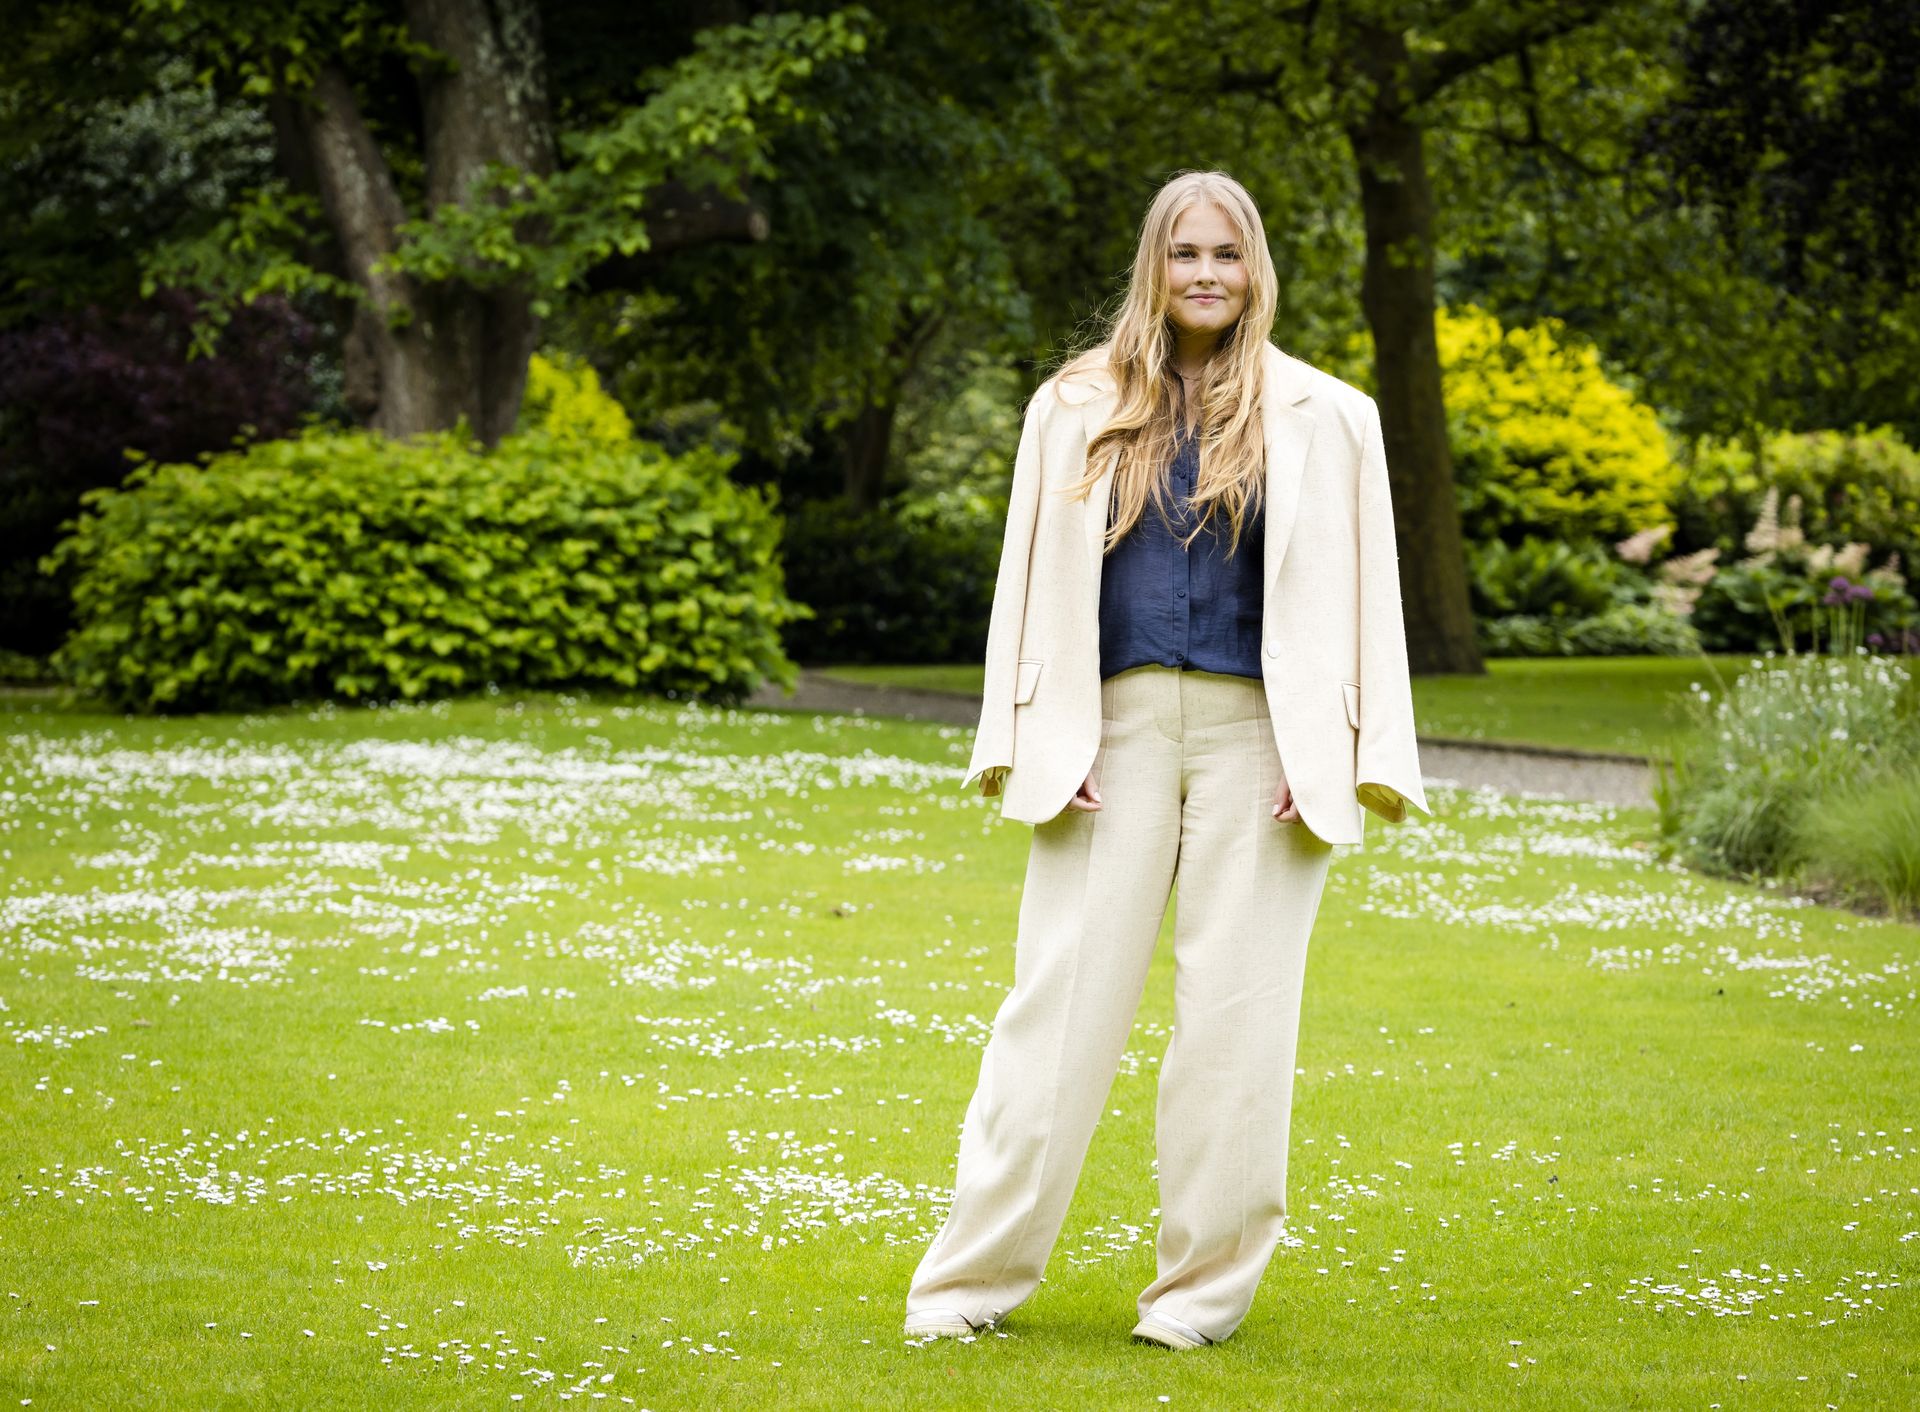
(1288, 424)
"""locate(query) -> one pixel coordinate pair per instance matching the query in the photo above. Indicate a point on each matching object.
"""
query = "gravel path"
(1511, 769)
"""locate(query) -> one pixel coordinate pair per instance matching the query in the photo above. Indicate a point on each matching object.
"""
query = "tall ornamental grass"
(1867, 839)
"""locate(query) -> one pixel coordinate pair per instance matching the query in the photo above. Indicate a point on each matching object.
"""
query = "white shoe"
(938, 1323)
(1168, 1331)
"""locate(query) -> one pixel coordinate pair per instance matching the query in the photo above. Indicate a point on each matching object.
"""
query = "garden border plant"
(1795, 758)
(350, 564)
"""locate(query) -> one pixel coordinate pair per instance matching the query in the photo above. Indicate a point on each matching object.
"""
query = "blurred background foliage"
(837, 247)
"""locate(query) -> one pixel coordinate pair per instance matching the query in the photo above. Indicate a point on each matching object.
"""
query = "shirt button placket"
(1183, 615)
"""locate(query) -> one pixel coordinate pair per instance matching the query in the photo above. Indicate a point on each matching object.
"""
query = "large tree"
(1324, 109)
(429, 174)
(1380, 70)
(894, 235)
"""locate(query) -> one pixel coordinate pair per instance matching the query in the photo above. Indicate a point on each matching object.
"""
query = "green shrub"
(1632, 630)
(1544, 443)
(1853, 486)
(1784, 736)
(885, 590)
(1545, 598)
(1519, 635)
(25, 669)
(350, 564)
(564, 398)
(1625, 630)
(1863, 842)
(1779, 594)
(1744, 607)
(1549, 579)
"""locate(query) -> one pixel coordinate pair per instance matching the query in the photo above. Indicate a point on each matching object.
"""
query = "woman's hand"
(1087, 798)
(1284, 809)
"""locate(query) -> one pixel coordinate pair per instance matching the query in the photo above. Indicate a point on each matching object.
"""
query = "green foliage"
(887, 590)
(1625, 630)
(348, 564)
(1749, 607)
(1766, 750)
(1857, 486)
(1633, 630)
(565, 400)
(1780, 593)
(1864, 841)
(897, 264)
(1520, 635)
(246, 251)
(24, 668)
(1544, 442)
(90, 182)
(707, 120)
(1548, 578)
(1547, 598)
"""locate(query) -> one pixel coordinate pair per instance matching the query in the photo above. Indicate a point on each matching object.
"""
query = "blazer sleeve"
(1387, 779)
(993, 739)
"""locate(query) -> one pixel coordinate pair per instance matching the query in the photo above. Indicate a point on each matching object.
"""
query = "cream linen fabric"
(1187, 768)
(1334, 663)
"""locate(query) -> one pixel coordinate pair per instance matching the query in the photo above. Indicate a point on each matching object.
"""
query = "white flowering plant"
(1740, 796)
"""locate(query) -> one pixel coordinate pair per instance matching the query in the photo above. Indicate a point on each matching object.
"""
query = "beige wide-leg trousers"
(1186, 770)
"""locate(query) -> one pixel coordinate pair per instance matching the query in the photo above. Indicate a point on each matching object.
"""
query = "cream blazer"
(1334, 664)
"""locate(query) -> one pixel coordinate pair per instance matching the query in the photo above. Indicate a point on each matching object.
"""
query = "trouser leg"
(1096, 892)
(1248, 889)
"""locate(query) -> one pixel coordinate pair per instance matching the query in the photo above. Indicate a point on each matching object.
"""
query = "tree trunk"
(1397, 295)
(421, 356)
(491, 108)
(868, 443)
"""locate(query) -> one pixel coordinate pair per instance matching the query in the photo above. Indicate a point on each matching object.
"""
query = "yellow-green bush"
(564, 398)
(1544, 442)
(355, 565)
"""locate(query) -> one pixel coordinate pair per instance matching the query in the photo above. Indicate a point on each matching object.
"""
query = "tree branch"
(1517, 27)
(1534, 140)
(676, 217)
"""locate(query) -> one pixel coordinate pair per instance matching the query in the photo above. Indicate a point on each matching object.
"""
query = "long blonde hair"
(1138, 354)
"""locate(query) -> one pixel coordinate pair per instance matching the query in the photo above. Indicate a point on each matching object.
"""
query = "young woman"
(1196, 673)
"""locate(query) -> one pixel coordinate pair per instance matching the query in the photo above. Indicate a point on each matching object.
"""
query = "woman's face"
(1206, 272)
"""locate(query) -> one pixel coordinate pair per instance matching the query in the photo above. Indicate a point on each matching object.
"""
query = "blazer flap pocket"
(1027, 678)
(1351, 691)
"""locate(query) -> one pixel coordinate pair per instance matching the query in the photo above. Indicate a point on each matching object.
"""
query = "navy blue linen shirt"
(1160, 602)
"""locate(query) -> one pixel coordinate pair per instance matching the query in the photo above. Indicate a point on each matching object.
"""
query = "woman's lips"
(1204, 298)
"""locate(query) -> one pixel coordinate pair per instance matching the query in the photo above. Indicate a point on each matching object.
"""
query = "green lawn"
(1631, 704)
(531, 1049)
